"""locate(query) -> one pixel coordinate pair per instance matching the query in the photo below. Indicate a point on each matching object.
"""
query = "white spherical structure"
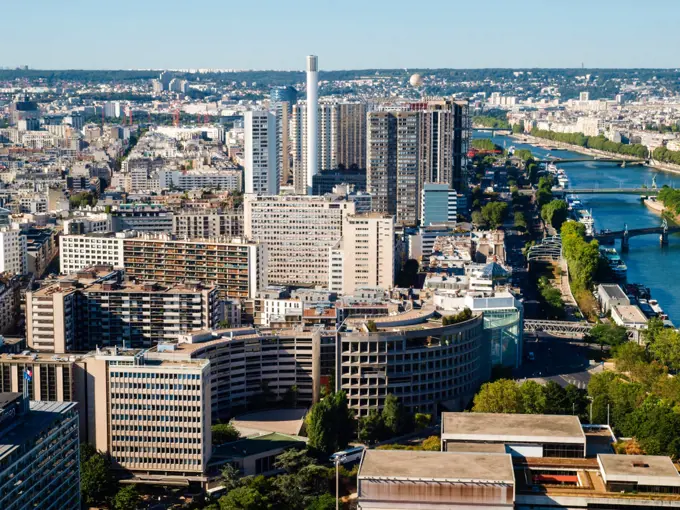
(416, 80)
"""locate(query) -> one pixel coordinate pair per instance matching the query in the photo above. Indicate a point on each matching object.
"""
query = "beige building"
(193, 223)
(248, 365)
(367, 254)
(150, 414)
(298, 231)
(351, 135)
(97, 307)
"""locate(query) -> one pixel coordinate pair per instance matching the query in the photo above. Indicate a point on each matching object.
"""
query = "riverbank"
(658, 207)
(534, 140)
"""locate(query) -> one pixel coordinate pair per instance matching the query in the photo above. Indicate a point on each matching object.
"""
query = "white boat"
(618, 266)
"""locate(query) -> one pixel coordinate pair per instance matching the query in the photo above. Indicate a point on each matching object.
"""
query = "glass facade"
(503, 330)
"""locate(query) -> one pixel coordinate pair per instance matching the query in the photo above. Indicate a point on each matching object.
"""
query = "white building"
(261, 170)
(229, 180)
(80, 251)
(87, 224)
(298, 230)
(13, 256)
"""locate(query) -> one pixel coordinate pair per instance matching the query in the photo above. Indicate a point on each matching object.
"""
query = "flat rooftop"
(630, 313)
(441, 466)
(498, 427)
(641, 469)
(476, 448)
(613, 291)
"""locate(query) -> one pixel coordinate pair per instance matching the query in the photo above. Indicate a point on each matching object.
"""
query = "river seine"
(648, 263)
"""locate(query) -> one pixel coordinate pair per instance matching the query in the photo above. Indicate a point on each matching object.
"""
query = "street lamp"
(337, 483)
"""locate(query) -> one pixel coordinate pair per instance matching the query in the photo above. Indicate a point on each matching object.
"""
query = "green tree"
(224, 433)
(494, 213)
(533, 398)
(477, 219)
(432, 444)
(666, 348)
(127, 498)
(395, 417)
(293, 460)
(555, 213)
(608, 334)
(245, 498)
(628, 356)
(556, 401)
(654, 327)
(502, 396)
(520, 220)
(371, 428)
(96, 478)
(230, 477)
(324, 502)
(329, 424)
(422, 420)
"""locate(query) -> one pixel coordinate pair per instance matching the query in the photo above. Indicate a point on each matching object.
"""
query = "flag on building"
(28, 374)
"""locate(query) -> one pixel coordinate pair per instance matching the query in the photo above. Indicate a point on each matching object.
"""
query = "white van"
(346, 456)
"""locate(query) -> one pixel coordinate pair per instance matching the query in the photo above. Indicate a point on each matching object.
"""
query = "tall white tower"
(312, 119)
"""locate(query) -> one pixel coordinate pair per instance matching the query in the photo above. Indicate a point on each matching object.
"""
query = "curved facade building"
(424, 363)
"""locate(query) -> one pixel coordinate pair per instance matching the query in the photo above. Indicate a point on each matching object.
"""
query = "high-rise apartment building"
(237, 267)
(282, 112)
(367, 256)
(351, 135)
(285, 94)
(97, 307)
(393, 160)
(39, 454)
(298, 232)
(261, 171)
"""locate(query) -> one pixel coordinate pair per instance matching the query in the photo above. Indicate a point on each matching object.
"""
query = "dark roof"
(494, 270)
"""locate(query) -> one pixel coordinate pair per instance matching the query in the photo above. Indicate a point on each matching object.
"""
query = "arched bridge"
(663, 231)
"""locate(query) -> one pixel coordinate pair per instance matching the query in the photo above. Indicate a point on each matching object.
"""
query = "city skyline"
(157, 35)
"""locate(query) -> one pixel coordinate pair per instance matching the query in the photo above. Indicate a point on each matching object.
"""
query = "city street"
(558, 359)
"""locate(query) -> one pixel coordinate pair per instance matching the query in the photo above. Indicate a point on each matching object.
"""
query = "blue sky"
(346, 34)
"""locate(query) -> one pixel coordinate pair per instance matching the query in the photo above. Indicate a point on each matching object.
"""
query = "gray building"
(39, 454)
(413, 356)
(142, 218)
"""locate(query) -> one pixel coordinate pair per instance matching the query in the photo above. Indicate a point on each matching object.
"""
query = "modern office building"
(285, 94)
(367, 254)
(13, 251)
(151, 414)
(39, 454)
(298, 231)
(282, 111)
(261, 172)
(250, 365)
(413, 356)
(312, 119)
(97, 307)
(437, 204)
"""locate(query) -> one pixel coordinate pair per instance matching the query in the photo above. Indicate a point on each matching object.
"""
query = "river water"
(648, 263)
